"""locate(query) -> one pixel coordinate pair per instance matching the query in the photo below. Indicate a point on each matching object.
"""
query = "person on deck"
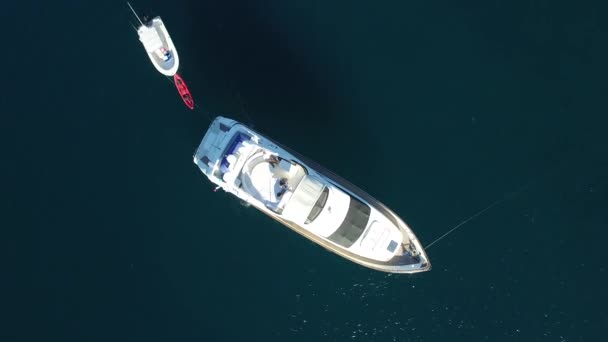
(284, 187)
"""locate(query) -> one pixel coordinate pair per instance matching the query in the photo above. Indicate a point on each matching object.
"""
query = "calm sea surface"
(436, 108)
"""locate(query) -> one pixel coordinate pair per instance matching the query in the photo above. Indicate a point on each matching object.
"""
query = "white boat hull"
(159, 46)
(369, 234)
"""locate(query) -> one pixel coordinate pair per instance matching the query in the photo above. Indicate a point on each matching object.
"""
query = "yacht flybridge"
(308, 198)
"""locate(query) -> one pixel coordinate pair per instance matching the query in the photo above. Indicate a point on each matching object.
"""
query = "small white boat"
(307, 198)
(155, 38)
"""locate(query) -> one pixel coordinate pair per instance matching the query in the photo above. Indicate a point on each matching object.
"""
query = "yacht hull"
(410, 256)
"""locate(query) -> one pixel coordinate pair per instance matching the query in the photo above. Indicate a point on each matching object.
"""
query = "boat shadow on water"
(255, 71)
(240, 48)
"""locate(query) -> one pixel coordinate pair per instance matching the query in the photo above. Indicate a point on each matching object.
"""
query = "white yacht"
(307, 198)
(158, 44)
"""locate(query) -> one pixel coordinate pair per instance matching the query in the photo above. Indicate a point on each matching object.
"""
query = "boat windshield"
(316, 209)
(353, 225)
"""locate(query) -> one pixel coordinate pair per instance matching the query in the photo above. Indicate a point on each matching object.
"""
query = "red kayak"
(182, 88)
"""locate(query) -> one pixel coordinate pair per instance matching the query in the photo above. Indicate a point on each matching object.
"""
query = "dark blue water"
(435, 108)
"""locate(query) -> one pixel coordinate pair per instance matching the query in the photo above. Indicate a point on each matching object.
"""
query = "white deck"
(263, 182)
(269, 179)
